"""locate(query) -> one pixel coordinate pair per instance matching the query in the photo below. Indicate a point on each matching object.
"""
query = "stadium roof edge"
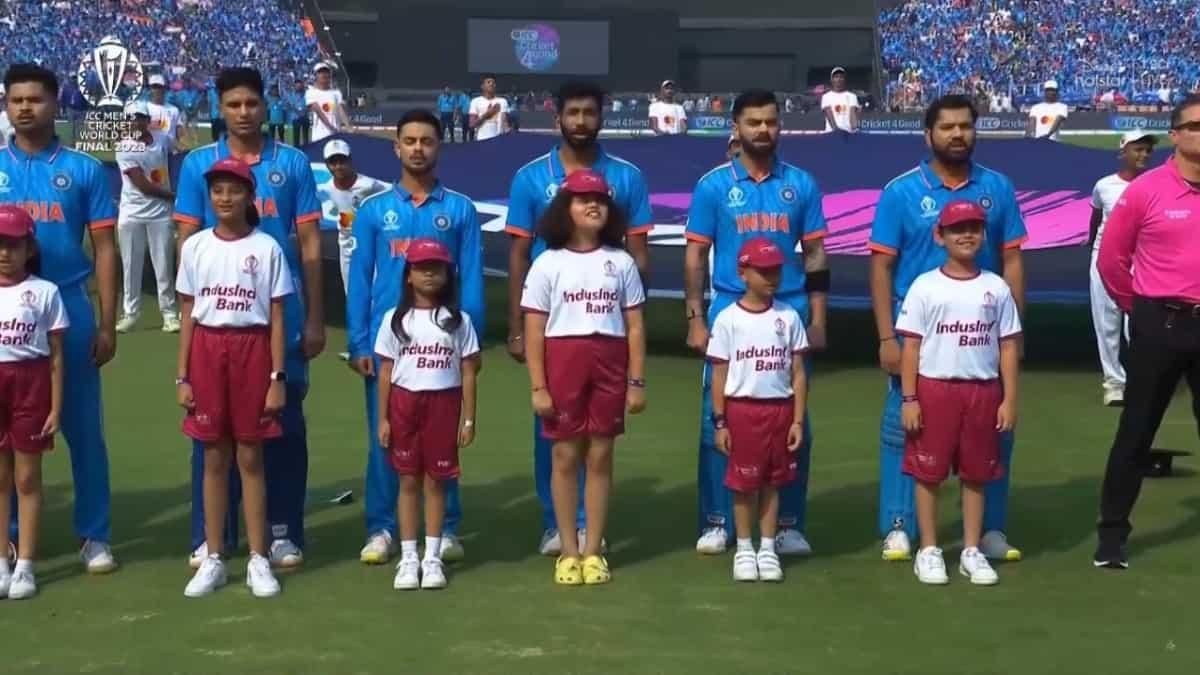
(350, 16)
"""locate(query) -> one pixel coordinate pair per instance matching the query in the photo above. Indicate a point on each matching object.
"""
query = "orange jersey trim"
(313, 217)
(640, 229)
(692, 236)
(186, 219)
(1016, 243)
(880, 248)
(819, 234)
(517, 232)
(106, 224)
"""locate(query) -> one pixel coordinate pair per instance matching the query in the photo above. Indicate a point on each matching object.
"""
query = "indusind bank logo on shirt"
(429, 356)
(599, 301)
(17, 333)
(970, 333)
(231, 298)
(765, 358)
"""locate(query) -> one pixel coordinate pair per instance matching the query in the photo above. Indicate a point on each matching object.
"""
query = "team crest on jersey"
(4, 181)
(61, 182)
(27, 299)
(737, 197)
(609, 268)
(276, 178)
(928, 206)
(780, 327)
(788, 194)
(985, 201)
(250, 265)
(551, 191)
(391, 220)
(441, 222)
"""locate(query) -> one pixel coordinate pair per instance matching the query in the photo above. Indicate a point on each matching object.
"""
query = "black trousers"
(301, 132)
(217, 128)
(1164, 347)
(277, 131)
(448, 127)
(467, 132)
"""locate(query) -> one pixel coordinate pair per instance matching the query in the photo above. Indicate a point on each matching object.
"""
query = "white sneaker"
(929, 566)
(452, 549)
(433, 576)
(98, 557)
(792, 542)
(582, 536)
(197, 557)
(379, 549)
(973, 565)
(1114, 396)
(285, 554)
(345, 356)
(408, 572)
(995, 546)
(745, 566)
(712, 542)
(769, 568)
(897, 546)
(126, 324)
(5, 582)
(551, 544)
(23, 585)
(170, 324)
(207, 579)
(260, 578)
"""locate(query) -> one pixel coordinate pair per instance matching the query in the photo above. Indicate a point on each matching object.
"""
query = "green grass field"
(668, 609)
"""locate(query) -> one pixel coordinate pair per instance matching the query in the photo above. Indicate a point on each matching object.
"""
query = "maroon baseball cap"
(961, 211)
(231, 166)
(584, 182)
(427, 250)
(15, 222)
(760, 253)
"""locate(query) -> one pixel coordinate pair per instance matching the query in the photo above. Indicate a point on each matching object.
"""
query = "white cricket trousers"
(345, 248)
(1109, 322)
(134, 237)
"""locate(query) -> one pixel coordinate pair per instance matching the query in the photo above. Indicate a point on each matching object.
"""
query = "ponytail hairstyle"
(447, 305)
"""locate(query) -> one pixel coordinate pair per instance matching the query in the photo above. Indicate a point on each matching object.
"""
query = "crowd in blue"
(188, 41)
(1136, 48)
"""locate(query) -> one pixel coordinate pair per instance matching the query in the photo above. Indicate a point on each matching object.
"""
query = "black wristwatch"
(718, 421)
(278, 376)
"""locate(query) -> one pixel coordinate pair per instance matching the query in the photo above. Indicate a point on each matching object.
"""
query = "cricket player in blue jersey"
(286, 198)
(66, 192)
(580, 108)
(416, 207)
(902, 248)
(755, 194)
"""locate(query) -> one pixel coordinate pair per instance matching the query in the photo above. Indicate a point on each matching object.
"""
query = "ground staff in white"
(345, 190)
(145, 218)
(1108, 321)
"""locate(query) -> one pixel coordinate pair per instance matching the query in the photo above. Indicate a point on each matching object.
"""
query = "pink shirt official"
(1155, 230)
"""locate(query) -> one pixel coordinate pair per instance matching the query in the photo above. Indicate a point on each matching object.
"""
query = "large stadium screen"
(534, 46)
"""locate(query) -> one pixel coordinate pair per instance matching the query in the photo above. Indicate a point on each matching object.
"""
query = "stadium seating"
(1091, 47)
(188, 39)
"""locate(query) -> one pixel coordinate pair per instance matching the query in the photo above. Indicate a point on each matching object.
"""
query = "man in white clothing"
(840, 106)
(1109, 322)
(1046, 117)
(326, 105)
(145, 218)
(489, 113)
(164, 118)
(667, 118)
(346, 190)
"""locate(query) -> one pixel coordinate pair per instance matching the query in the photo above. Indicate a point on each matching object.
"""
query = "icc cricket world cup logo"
(111, 62)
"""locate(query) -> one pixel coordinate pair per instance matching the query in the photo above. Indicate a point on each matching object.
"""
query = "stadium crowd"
(1142, 51)
(187, 40)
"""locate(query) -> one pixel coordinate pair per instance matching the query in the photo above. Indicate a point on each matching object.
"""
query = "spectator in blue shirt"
(214, 111)
(298, 116)
(447, 104)
(276, 113)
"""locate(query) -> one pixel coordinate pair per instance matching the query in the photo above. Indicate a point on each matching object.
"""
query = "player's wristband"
(181, 380)
(637, 383)
(817, 281)
(908, 399)
(467, 424)
(718, 421)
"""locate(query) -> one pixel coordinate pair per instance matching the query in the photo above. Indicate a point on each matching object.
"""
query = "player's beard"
(953, 156)
(748, 148)
(576, 144)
